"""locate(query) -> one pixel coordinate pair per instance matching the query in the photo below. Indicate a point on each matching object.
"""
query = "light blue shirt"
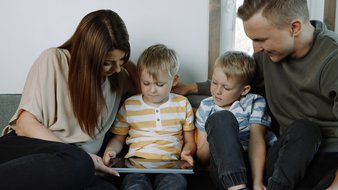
(250, 109)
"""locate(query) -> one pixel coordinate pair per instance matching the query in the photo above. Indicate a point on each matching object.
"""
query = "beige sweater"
(46, 96)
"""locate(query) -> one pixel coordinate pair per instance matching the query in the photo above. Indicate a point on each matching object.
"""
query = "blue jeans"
(28, 163)
(139, 181)
(228, 159)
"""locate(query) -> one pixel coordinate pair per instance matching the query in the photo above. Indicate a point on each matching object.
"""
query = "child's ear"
(176, 79)
(246, 90)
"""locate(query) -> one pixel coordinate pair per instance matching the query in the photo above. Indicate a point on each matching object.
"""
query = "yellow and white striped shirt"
(154, 132)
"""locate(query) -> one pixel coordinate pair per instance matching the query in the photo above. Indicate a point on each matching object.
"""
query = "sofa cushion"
(8, 105)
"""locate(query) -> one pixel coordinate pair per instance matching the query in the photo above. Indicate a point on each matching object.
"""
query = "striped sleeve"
(202, 113)
(188, 125)
(259, 112)
(120, 125)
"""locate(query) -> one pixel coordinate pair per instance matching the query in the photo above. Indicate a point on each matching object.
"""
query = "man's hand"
(185, 89)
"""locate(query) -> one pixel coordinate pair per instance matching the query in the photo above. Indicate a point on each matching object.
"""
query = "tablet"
(141, 165)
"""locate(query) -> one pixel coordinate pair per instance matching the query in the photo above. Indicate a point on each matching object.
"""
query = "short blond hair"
(237, 64)
(279, 12)
(157, 58)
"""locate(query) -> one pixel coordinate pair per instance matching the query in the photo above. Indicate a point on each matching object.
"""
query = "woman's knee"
(78, 161)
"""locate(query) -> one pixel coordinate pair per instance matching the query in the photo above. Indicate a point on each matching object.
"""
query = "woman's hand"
(100, 168)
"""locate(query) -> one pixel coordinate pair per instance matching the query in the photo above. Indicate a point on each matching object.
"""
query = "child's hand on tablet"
(186, 155)
(100, 168)
(108, 156)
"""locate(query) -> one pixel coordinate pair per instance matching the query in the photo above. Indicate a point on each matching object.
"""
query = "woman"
(69, 102)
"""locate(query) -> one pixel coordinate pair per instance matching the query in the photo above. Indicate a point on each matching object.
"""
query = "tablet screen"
(141, 165)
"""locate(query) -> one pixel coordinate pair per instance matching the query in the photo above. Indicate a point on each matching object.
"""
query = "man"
(298, 63)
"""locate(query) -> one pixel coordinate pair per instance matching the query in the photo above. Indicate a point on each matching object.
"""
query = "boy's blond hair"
(237, 64)
(157, 58)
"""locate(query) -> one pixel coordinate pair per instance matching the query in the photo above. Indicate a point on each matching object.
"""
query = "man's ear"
(176, 79)
(295, 27)
(246, 90)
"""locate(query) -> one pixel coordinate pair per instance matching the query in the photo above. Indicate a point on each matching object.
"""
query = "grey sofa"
(8, 105)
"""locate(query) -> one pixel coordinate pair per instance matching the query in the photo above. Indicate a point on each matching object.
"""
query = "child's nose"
(219, 90)
(153, 88)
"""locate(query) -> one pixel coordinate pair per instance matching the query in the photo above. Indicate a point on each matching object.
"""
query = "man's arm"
(200, 88)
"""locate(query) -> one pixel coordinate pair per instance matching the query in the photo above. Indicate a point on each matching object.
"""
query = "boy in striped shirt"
(243, 120)
(156, 124)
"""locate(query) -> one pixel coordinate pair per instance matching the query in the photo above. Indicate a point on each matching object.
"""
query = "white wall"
(29, 27)
(228, 24)
(336, 24)
(316, 9)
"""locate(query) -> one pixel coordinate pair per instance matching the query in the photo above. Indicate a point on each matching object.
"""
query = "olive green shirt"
(307, 87)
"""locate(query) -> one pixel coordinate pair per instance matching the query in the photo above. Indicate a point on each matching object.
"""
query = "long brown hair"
(98, 33)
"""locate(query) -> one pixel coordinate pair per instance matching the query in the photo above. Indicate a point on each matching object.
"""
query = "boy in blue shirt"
(244, 121)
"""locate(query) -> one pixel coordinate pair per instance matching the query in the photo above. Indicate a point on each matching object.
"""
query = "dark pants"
(27, 163)
(228, 163)
(294, 162)
(164, 181)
